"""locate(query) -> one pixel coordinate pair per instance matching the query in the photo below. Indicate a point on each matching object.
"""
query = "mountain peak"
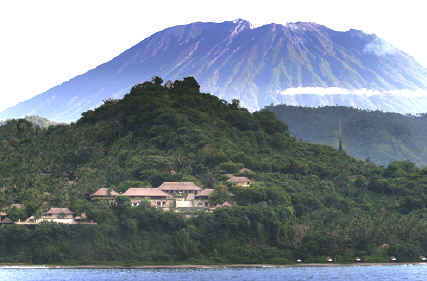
(243, 23)
(303, 26)
(233, 60)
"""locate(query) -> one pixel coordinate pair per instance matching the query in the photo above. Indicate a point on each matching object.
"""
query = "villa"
(202, 198)
(105, 194)
(180, 188)
(58, 215)
(157, 197)
(240, 181)
(181, 197)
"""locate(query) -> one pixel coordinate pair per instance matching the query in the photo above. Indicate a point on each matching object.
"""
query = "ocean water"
(339, 273)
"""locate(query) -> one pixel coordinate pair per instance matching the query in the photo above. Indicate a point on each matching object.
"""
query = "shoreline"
(189, 266)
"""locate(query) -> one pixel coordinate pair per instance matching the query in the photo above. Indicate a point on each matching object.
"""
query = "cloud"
(379, 47)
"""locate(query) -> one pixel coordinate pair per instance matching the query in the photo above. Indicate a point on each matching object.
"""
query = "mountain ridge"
(233, 59)
(378, 136)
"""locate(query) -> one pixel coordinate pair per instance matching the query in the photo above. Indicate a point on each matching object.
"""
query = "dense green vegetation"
(307, 200)
(36, 121)
(375, 135)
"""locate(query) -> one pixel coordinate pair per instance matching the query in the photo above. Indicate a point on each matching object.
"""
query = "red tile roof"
(59, 211)
(225, 204)
(105, 192)
(205, 193)
(246, 170)
(17, 206)
(179, 186)
(145, 192)
(238, 179)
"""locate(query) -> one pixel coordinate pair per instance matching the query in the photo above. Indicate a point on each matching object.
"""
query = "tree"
(191, 83)
(157, 80)
(235, 104)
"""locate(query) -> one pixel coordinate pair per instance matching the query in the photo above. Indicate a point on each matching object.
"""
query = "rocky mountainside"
(273, 63)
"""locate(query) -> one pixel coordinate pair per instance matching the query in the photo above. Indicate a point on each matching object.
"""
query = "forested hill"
(307, 200)
(151, 131)
(37, 121)
(378, 136)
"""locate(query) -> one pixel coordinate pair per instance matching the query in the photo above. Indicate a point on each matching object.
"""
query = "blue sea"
(336, 273)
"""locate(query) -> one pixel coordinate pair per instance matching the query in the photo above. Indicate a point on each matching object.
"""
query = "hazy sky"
(46, 42)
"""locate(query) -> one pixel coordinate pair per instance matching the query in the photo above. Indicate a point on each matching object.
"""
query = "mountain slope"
(255, 65)
(375, 135)
(36, 121)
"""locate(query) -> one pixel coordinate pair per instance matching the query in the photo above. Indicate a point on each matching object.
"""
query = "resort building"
(181, 197)
(202, 198)
(204, 194)
(105, 194)
(157, 197)
(240, 181)
(6, 220)
(15, 205)
(184, 197)
(81, 218)
(30, 220)
(196, 201)
(58, 215)
(225, 204)
(180, 188)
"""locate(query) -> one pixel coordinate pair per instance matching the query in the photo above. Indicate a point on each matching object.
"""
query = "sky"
(46, 42)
